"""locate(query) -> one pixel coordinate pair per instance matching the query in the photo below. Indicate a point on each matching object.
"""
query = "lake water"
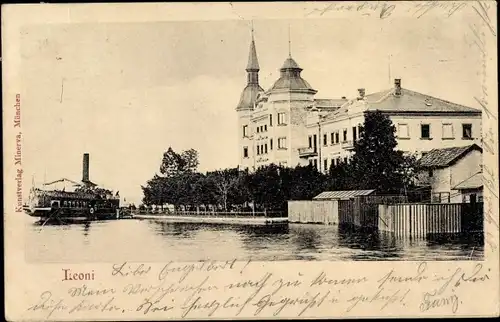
(156, 240)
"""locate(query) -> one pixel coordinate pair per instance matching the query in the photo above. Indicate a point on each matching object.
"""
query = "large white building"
(287, 125)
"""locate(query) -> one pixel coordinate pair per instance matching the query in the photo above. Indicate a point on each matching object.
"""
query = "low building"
(444, 170)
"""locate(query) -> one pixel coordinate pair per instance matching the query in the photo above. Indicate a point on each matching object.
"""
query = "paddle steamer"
(86, 202)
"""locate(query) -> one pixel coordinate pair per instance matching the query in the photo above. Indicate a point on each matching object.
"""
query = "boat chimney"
(85, 177)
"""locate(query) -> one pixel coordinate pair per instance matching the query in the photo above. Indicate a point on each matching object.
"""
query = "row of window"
(327, 163)
(425, 131)
(263, 128)
(262, 148)
(335, 137)
(74, 203)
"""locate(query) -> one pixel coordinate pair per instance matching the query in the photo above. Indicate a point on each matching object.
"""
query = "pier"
(241, 218)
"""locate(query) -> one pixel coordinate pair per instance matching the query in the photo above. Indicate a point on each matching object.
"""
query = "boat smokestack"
(85, 176)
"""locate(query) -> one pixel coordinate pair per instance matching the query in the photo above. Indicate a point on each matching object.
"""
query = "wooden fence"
(362, 211)
(313, 211)
(419, 220)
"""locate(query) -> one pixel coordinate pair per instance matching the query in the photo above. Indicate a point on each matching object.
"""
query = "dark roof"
(440, 158)
(410, 101)
(249, 96)
(290, 63)
(253, 62)
(290, 78)
(328, 195)
(473, 182)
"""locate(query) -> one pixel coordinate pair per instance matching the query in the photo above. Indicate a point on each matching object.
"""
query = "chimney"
(361, 93)
(397, 86)
(85, 177)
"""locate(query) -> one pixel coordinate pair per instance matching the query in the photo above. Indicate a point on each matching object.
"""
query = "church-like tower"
(246, 106)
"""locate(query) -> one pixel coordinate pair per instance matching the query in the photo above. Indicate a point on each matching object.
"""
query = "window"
(265, 127)
(258, 129)
(332, 138)
(431, 173)
(281, 143)
(447, 131)
(270, 120)
(325, 139)
(325, 164)
(354, 136)
(281, 118)
(338, 160)
(425, 131)
(310, 141)
(345, 135)
(360, 128)
(345, 160)
(265, 148)
(315, 162)
(310, 162)
(270, 144)
(332, 163)
(245, 152)
(403, 131)
(467, 131)
(258, 149)
(337, 139)
(245, 130)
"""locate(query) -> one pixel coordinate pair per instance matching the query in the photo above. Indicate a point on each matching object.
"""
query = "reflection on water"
(156, 240)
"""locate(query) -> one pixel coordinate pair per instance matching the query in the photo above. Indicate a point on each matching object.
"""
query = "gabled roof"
(441, 158)
(328, 195)
(411, 101)
(474, 182)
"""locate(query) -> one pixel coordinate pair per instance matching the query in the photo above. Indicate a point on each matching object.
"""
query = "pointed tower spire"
(249, 95)
(289, 42)
(253, 63)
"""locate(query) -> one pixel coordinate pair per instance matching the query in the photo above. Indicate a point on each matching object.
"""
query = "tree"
(376, 164)
(174, 163)
(225, 182)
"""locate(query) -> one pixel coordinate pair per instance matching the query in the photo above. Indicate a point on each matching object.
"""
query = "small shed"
(471, 189)
(343, 195)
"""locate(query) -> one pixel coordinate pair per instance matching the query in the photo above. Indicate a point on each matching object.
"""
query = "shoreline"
(216, 220)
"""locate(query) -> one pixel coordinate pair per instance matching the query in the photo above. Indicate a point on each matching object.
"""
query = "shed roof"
(439, 158)
(474, 182)
(326, 195)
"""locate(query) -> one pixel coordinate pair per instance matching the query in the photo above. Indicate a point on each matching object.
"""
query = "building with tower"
(287, 125)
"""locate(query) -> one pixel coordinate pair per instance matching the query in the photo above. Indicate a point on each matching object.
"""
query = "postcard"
(170, 161)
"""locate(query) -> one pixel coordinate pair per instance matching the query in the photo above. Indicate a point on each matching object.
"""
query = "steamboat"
(86, 202)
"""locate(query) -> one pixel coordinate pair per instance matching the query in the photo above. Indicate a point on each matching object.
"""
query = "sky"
(125, 92)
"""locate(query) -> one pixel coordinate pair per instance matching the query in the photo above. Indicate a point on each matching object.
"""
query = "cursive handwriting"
(391, 276)
(381, 295)
(384, 9)
(431, 301)
(47, 304)
(196, 295)
(126, 269)
(203, 266)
